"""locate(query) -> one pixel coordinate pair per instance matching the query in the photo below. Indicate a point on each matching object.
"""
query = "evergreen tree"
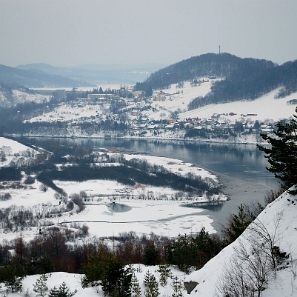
(95, 268)
(177, 287)
(63, 291)
(107, 270)
(236, 224)
(183, 253)
(165, 272)
(151, 254)
(147, 278)
(282, 153)
(116, 280)
(151, 285)
(54, 292)
(10, 278)
(40, 286)
(135, 287)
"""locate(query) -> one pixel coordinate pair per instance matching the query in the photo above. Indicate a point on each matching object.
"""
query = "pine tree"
(10, 278)
(135, 287)
(116, 280)
(63, 291)
(40, 286)
(150, 254)
(151, 285)
(147, 278)
(237, 223)
(54, 292)
(177, 287)
(282, 154)
(165, 272)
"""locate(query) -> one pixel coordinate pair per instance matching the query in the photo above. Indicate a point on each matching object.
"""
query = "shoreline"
(187, 140)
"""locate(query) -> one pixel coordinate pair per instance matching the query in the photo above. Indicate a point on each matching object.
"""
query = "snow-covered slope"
(165, 103)
(279, 219)
(73, 282)
(14, 147)
(17, 97)
(13, 151)
(262, 108)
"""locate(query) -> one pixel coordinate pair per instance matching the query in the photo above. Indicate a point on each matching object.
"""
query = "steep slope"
(275, 227)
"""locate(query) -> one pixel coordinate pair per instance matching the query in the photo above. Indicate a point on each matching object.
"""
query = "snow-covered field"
(264, 108)
(163, 214)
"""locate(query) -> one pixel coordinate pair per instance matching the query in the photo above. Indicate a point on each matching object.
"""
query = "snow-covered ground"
(280, 220)
(163, 214)
(263, 108)
(11, 146)
(18, 96)
(176, 99)
(168, 218)
(73, 282)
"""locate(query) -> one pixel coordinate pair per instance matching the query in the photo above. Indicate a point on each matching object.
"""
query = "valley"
(153, 170)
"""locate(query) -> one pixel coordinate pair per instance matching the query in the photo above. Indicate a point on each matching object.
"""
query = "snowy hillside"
(176, 99)
(168, 104)
(13, 151)
(275, 225)
(73, 282)
(20, 97)
(278, 222)
(261, 109)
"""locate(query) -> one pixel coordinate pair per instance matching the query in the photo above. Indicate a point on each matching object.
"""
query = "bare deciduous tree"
(254, 262)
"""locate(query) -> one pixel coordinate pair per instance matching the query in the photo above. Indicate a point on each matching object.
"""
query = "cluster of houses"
(136, 112)
(217, 125)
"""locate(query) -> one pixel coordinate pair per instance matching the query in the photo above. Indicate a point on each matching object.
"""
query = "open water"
(240, 167)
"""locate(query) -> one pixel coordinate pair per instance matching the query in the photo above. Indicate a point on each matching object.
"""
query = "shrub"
(5, 196)
(29, 180)
(78, 200)
(43, 188)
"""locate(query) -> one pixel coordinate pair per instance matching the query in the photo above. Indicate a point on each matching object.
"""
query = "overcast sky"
(74, 32)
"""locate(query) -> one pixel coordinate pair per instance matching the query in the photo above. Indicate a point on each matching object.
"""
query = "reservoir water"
(240, 167)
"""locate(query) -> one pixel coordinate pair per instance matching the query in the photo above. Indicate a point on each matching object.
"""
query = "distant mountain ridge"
(34, 78)
(98, 74)
(41, 75)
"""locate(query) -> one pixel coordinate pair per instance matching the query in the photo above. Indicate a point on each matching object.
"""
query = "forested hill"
(242, 78)
(222, 65)
(33, 78)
